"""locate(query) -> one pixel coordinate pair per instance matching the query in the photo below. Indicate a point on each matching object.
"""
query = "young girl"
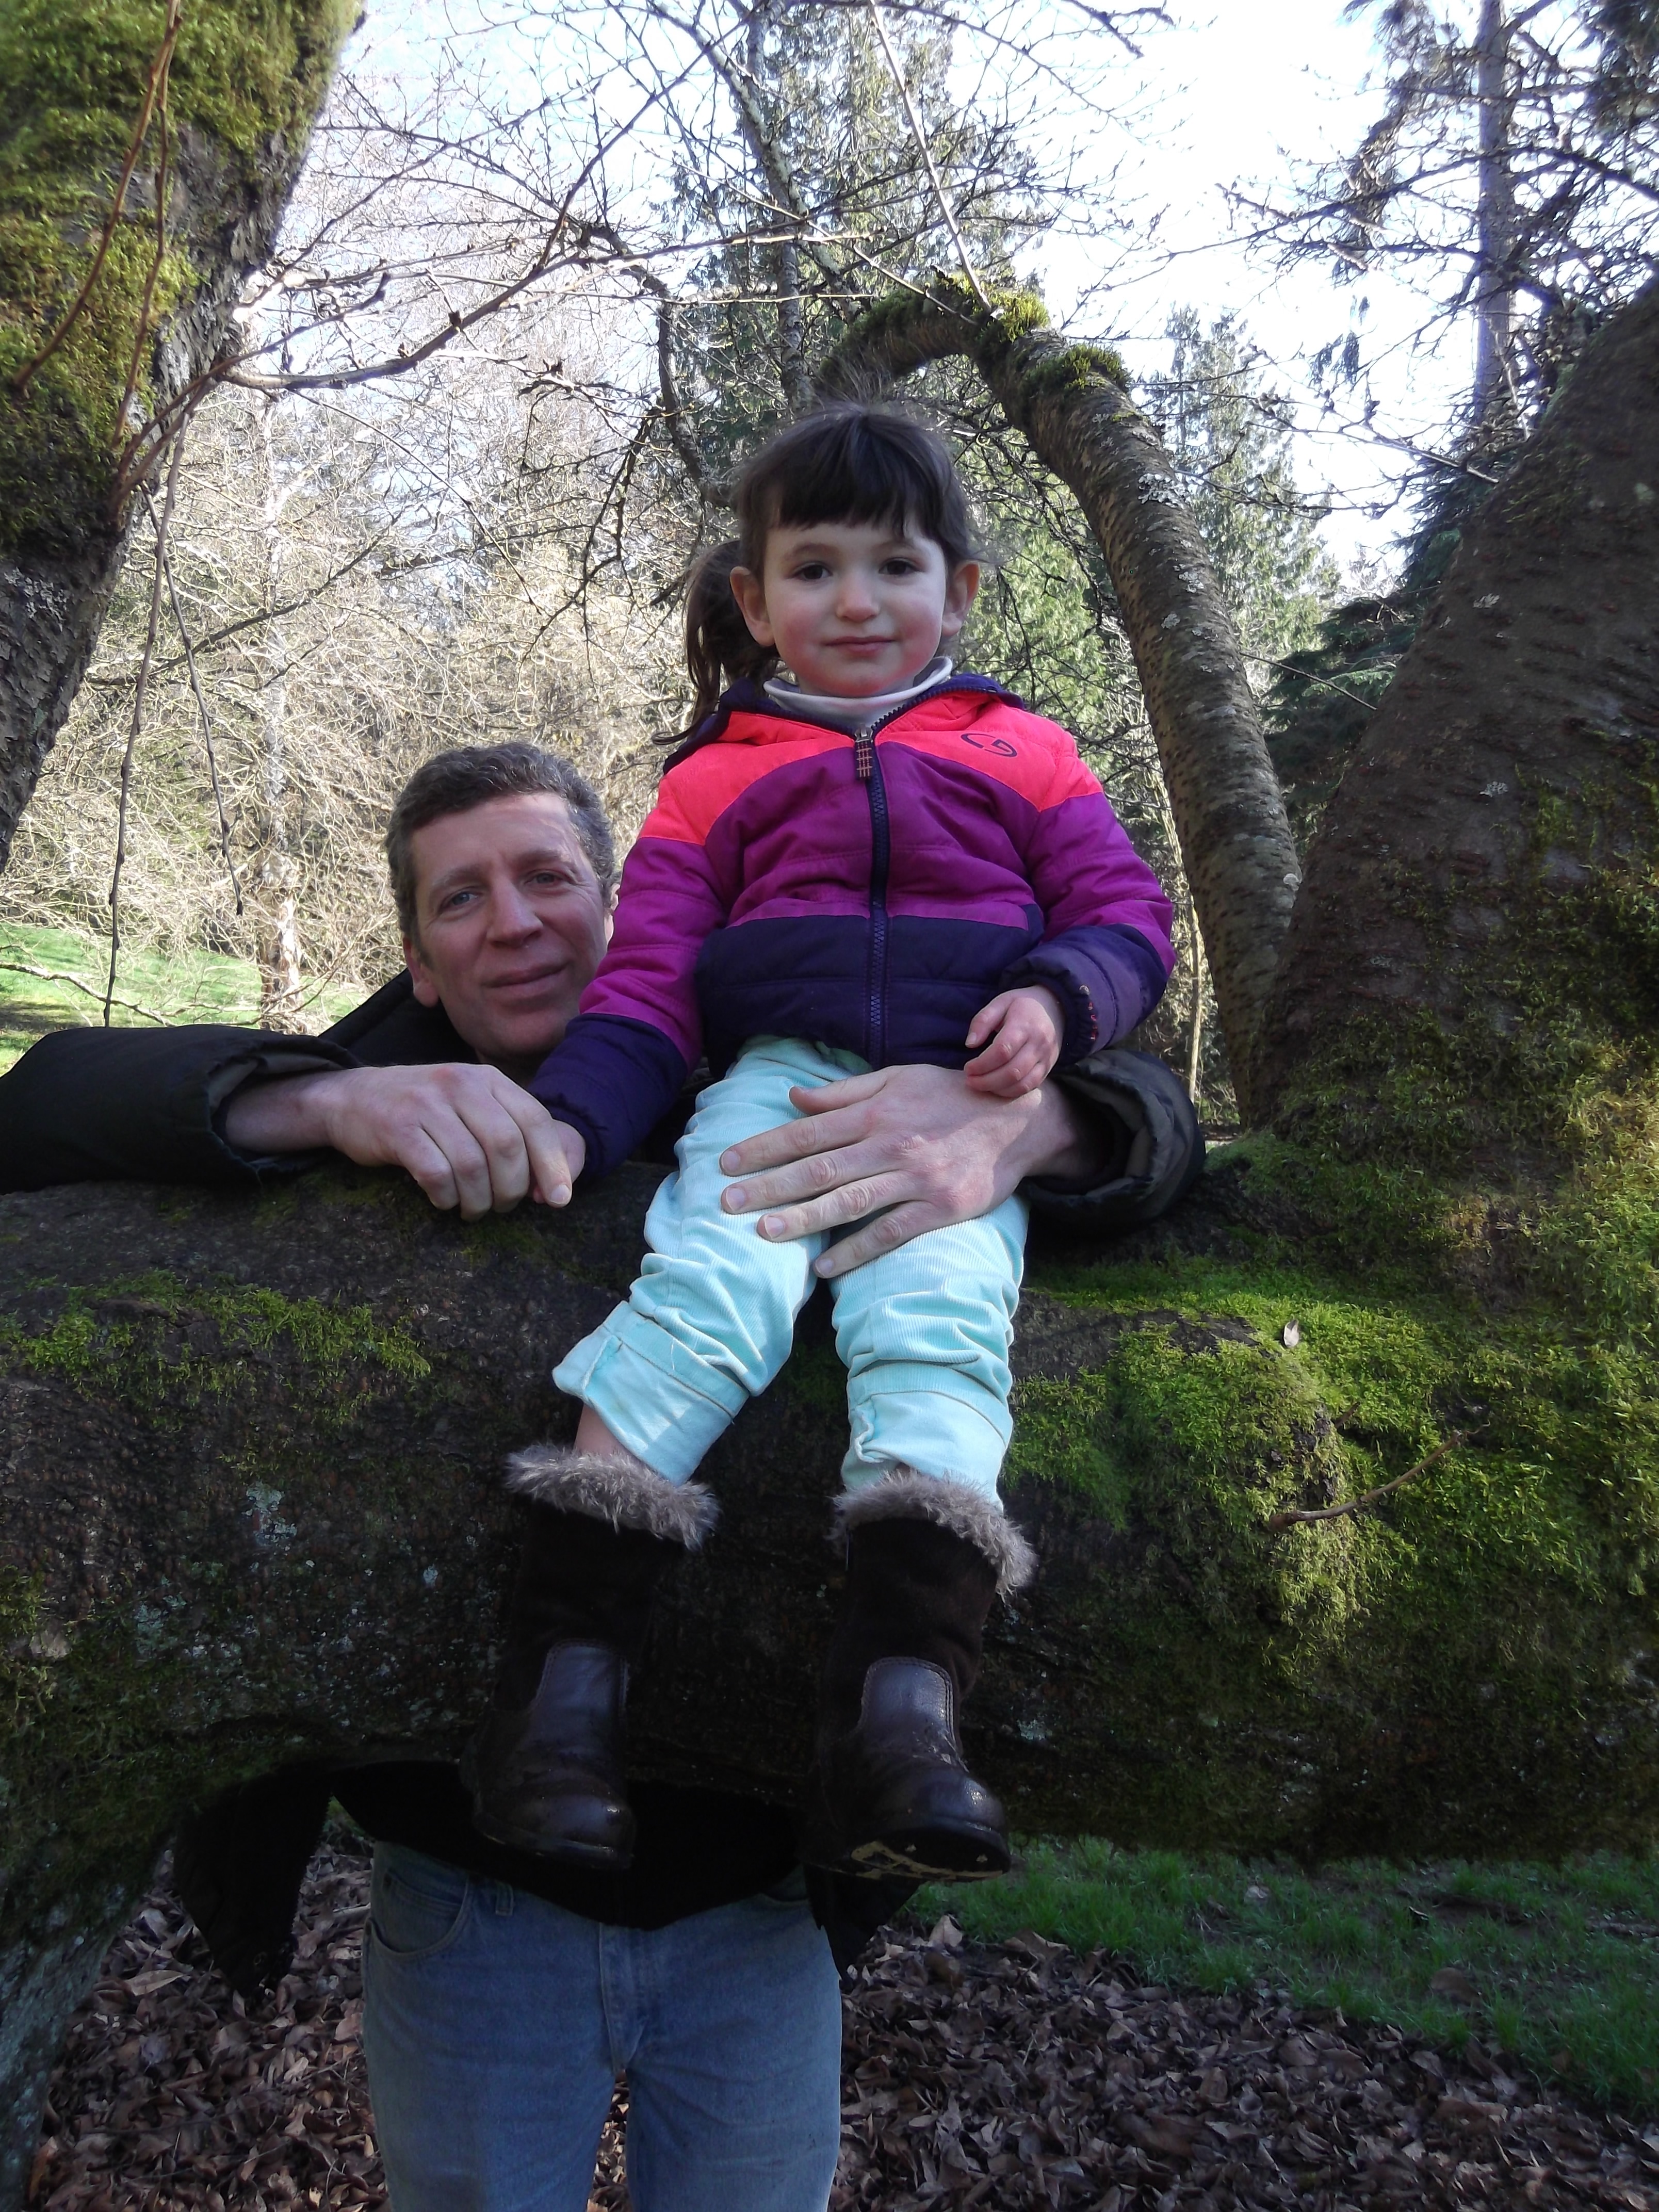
(870, 859)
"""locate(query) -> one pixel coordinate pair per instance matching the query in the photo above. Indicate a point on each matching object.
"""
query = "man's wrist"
(1065, 1144)
(282, 1113)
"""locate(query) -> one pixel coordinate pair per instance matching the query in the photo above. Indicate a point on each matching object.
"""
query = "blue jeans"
(496, 2024)
(923, 1332)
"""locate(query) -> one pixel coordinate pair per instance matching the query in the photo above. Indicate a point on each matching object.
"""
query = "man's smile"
(526, 980)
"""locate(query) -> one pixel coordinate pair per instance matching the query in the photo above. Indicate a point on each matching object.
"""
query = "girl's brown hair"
(844, 463)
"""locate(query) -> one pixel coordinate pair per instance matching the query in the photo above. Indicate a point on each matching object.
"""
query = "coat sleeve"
(1151, 1148)
(638, 1032)
(87, 1104)
(1105, 951)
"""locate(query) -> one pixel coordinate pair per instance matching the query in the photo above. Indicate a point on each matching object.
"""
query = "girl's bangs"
(851, 472)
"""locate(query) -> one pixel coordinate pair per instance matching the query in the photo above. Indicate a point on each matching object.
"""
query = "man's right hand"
(469, 1135)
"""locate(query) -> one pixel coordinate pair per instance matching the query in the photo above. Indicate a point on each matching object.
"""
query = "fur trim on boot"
(905, 1495)
(626, 1492)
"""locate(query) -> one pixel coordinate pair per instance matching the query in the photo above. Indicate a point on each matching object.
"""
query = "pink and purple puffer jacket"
(869, 891)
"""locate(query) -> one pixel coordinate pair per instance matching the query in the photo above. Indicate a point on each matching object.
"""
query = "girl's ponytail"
(719, 649)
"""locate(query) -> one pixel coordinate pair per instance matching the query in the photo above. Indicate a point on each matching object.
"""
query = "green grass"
(1563, 1960)
(170, 987)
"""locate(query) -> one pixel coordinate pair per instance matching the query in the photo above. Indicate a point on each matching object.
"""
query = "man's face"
(510, 925)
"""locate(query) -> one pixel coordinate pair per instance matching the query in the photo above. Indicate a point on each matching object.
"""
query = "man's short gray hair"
(470, 775)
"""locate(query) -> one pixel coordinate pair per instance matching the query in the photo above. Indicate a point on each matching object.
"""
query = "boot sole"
(931, 1855)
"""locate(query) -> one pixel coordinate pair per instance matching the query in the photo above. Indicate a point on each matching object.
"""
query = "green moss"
(1553, 1050)
(1073, 370)
(1464, 1630)
(244, 76)
(172, 1348)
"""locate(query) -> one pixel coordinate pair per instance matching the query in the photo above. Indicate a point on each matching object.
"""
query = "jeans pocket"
(417, 1904)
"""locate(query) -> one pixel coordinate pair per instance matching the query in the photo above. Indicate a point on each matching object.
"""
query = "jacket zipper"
(868, 765)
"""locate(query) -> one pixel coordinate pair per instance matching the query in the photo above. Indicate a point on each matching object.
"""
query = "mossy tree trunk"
(1471, 979)
(84, 370)
(1071, 404)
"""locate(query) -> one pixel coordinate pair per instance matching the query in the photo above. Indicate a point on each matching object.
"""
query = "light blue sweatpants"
(923, 1332)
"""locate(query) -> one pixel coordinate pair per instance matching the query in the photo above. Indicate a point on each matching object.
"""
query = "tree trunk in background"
(1472, 973)
(245, 88)
(276, 879)
(1071, 404)
(1495, 221)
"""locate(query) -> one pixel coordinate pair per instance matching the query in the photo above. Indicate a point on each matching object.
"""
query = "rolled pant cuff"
(648, 1403)
(960, 1437)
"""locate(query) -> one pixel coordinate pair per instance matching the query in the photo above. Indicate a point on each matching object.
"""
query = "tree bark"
(277, 877)
(1494, 389)
(251, 1513)
(1472, 972)
(1070, 402)
(244, 89)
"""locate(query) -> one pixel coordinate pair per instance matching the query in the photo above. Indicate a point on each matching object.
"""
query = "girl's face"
(854, 609)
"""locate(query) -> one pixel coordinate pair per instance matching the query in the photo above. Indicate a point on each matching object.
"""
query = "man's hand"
(469, 1135)
(914, 1147)
(1026, 1028)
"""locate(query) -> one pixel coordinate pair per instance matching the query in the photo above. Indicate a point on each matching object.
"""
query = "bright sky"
(1239, 93)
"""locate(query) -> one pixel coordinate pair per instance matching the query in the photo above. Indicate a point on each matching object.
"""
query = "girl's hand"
(1026, 1026)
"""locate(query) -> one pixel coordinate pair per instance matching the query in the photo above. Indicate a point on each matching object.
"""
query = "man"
(504, 1994)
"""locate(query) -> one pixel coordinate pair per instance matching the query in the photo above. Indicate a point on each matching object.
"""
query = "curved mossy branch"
(1472, 972)
(1071, 404)
(243, 90)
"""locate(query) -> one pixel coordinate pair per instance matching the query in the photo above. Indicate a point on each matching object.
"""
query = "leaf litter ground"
(998, 2076)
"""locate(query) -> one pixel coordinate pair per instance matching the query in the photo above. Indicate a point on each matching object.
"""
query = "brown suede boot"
(545, 1765)
(890, 1793)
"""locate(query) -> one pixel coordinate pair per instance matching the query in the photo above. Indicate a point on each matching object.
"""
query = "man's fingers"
(794, 1140)
(549, 1169)
(429, 1165)
(803, 1179)
(848, 1201)
(845, 1090)
(884, 1234)
(500, 1139)
(468, 1164)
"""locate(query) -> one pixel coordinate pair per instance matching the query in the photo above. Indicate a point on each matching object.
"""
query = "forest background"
(453, 493)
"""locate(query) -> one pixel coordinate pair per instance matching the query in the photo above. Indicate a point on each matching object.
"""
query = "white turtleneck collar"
(855, 714)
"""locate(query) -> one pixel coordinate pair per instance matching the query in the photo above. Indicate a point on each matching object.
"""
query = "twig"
(925, 152)
(159, 69)
(140, 690)
(175, 9)
(1293, 1515)
(201, 704)
(1326, 682)
(58, 975)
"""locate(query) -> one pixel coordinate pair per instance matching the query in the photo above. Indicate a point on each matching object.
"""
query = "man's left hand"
(914, 1147)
